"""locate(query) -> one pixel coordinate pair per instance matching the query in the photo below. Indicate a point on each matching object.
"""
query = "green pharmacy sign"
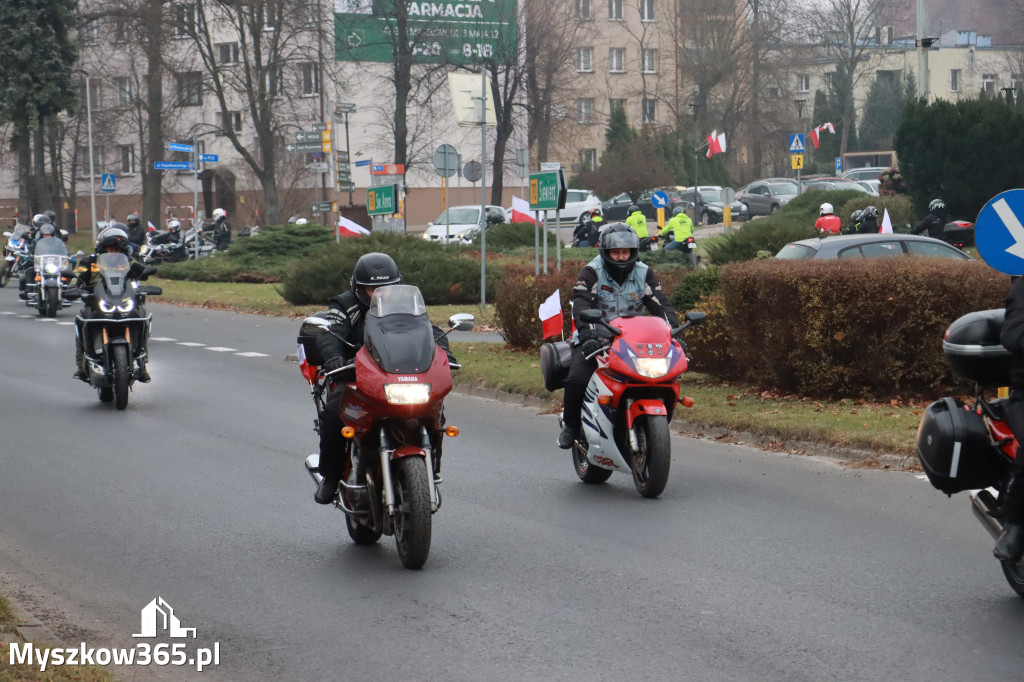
(464, 32)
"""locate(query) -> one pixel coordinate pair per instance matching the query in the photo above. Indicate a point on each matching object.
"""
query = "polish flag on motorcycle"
(152, 227)
(521, 211)
(716, 143)
(815, 138)
(886, 227)
(550, 313)
(347, 228)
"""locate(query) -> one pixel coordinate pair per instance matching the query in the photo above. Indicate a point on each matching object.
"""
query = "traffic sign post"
(999, 232)
(108, 182)
(798, 163)
(547, 192)
(659, 200)
(382, 200)
(171, 165)
(839, 164)
(321, 207)
(796, 149)
(179, 147)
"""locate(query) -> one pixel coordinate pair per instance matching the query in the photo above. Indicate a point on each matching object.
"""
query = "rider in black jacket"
(347, 315)
(935, 222)
(1010, 545)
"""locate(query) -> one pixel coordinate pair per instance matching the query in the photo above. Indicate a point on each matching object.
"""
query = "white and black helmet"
(619, 236)
(374, 270)
(826, 209)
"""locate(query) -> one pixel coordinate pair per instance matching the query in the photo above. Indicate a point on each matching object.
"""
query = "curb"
(30, 628)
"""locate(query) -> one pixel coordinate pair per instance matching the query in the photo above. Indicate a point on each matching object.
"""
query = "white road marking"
(190, 343)
(66, 324)
(8, 312)
(222, 349)
(27, 317)
(161, 338)
(45, 319)
(252, 354)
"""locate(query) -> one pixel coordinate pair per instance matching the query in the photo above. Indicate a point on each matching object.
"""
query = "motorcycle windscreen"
(398, 333)
(51, 246)
(113, 269)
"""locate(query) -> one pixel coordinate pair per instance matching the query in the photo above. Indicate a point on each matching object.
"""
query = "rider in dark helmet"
(347, 314)
(868, 221)
(136, 232)
(45, 230)
(616, 283)
(935, 222)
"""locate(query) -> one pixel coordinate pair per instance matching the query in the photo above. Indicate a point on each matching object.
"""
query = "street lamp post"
(92, 156)
(695, 106)
(800, 124)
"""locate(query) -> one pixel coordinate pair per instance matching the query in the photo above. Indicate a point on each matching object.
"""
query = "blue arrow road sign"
(178, 147)
(364, 162)
(172, 165)
(108, 182)
(999, 232)
(659, 199)
(796, 143)
(210, 158)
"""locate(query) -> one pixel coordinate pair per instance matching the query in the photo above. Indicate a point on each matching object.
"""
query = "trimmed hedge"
(507, 237)
(445, 274)
(858, 328)
(520, 294)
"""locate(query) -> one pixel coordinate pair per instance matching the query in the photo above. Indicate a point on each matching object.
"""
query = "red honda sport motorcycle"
(393, 420)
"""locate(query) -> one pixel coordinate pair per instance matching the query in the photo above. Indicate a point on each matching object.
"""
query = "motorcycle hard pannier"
(555, 358)
(955, 450)
(307, 339)
(973, 351)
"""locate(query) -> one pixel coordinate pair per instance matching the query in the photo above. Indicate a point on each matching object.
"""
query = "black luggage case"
(955, 449)
(973, 351)
(555, 359)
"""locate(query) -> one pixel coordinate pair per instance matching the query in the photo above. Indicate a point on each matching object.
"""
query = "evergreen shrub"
(510, 236)
(687, 291)
(520, 294)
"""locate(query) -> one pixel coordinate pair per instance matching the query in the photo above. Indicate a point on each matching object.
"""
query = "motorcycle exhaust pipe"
(313, 468)
(984, 505)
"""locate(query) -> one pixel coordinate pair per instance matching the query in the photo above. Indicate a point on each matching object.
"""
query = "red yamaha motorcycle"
(971, 447)
(393, 417)
(629, 401)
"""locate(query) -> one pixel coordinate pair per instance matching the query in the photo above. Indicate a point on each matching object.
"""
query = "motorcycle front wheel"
(412, 520)
(5, 273)
(52, 302)
(584, 469)
(122, 379)
(1015, 576)
(653, 456)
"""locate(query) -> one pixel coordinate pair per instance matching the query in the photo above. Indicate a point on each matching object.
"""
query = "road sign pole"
(107, 212)
(92, 158)
(195, 190)
(483, 187)
(348, 150)
(545, 230)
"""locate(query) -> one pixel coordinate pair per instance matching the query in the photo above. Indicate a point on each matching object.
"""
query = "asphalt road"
(751, 566)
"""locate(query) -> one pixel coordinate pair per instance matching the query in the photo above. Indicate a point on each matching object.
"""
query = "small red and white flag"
(152, 227)
(886, 227)
(348, 228)
(716, 143)
(815, 134)
(550, 313)
(521, 211)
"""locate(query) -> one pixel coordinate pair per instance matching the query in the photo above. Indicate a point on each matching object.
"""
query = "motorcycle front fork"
(385, 468)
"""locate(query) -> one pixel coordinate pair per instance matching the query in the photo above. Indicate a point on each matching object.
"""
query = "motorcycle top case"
(955, 449)
(973, 351)
(555, 359)
(307, 338)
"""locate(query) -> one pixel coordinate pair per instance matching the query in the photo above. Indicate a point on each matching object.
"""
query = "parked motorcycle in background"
(164, 246)
(393, 417)
(689, 248)
(17, 253)
(49, 286)
(970, 447)
(630, 399)
(206, 245)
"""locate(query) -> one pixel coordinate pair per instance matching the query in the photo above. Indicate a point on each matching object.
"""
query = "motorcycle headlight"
(106, 307)
(652, 368)
(126, 306)
(407, 394)
(51, 268)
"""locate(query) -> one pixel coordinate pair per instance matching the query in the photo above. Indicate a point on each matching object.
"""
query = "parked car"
(835, 185)
(866, 173)
(764, 197)
(462, 223)
(869, 246)
(577, 202)
(616, 208)
(871, 185)
(710, 206)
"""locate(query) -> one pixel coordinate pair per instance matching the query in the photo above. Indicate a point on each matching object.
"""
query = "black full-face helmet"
(49, 213)
(619, 236)
(115, 235)
(870, 213)
(132, 220)
(937, 206)
(374, 270)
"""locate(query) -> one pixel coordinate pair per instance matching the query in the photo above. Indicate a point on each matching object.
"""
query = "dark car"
(835, 185)
(764, 197)
(710, 206)
(870, 246)
(617, 207)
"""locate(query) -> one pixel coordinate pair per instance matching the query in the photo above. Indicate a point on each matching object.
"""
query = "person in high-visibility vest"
(680, 227)
(638, 221)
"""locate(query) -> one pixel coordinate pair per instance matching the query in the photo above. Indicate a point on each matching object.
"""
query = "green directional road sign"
(547, 191)
(382, 200)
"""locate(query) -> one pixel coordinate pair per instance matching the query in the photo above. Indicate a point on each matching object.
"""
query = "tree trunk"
(152, 180)
(403, 82)
(24, 168)
(57, 179)
(41, 198)
(268, 179)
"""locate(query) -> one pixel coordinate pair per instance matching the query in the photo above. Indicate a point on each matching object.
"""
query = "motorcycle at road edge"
(630, 398)
(393, 420)
(114, 342)
(17, 252)
(971, 447)
(50, 289)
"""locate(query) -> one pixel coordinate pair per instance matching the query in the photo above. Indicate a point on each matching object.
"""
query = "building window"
(829, 76)
(954, 80)
(232, 119)
(186, 19)
(988, 83)
(309, 13)
(648, 111)
(884, 35)
(650, 60)
(887, 76)
(95, 94)
(615, 10)
(310, 79)
(83, 160)
(124, 90)
(90, 33)
(190, 88)
(646, 10)
(616, 59)
(227, 53)
(126, 153)
(120, 29)
(614, 103)
(588, 159)
(275, 82)
(803, 82)
(1015, 82)
(586, 60)
(585, 110)
(272, 12)
(583, 10)
(773, 92)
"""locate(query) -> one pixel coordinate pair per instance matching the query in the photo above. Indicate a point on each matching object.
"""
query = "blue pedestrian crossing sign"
(999, 232)
(108, 182)
(796, 143)
(659, 199)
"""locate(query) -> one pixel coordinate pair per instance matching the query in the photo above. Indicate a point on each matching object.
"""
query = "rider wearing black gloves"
(935, 222)
(347, 315)
(113, 239)
(619, 285)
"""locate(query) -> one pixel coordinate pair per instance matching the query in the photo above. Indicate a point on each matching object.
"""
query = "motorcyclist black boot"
(568, 436)
(143, 375)
(80, 372)
(1010, 546)
(325, 492)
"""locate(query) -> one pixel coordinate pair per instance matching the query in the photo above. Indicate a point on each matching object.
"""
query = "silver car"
(764, 197)
(869, 246)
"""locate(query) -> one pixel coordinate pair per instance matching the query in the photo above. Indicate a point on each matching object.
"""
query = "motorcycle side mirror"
(461, 322)
(695, 317)
(150, 290)
(7, 234)
(79, 254)
(591, 316)
(314, 325)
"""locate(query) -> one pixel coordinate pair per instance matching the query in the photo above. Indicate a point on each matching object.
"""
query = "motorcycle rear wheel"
(52, 302)
(5, 273)
(412, 520)
(1015, 576)
(584, 469)
(360, 534)
(653, 458)
(122, 379)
